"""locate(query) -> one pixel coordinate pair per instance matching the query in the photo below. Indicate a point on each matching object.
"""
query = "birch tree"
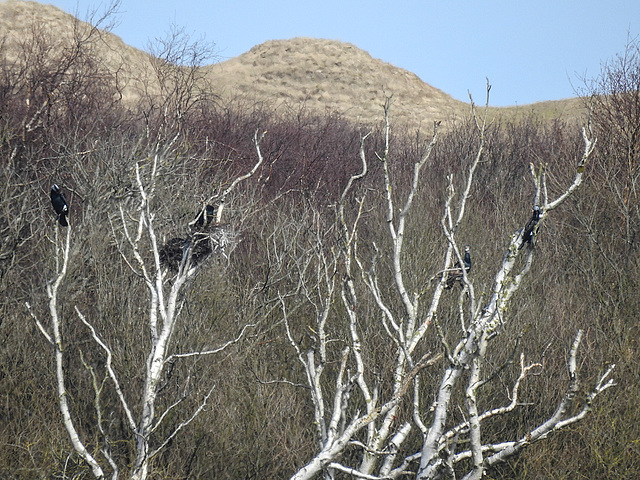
(135, 232)
(374, 421)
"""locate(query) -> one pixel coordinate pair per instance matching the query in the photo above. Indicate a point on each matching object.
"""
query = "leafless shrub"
(614, 98)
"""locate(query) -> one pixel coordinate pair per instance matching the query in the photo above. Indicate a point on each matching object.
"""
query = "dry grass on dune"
(328, 75)
(22, 21)
(567, 109)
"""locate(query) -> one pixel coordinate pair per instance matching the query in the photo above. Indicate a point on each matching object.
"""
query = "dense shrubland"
(63, 122)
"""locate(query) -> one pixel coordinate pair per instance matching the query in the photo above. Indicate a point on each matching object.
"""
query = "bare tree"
(369, 416)
(46, 81)
(135, 233)
(177, 84)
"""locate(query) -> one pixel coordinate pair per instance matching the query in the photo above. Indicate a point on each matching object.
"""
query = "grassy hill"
(321, 75)
(328, 75)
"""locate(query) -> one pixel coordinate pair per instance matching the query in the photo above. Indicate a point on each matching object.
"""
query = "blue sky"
(530, 50)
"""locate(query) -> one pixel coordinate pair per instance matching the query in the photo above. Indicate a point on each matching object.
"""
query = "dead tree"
(135, 235)
(355, 413)
(466, 359)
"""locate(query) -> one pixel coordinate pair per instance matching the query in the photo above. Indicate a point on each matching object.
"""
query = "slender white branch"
(338, 400)
(158, 422)
(416, 406)
(219, 349)
(203, 404)
(111, 372)
(353, 472)
(589, 146)
(257, 139)
(357, 176)
(52, 292)
(38, 324)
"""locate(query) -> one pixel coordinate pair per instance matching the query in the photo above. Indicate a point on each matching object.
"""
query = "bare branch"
(352, 471)
(38, 324)
(52, 292)
(257, 139)
(589, 146)
(203, 404)
(219, 349)
(110, 371)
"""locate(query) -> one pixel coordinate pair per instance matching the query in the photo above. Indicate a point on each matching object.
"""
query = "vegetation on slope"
(65, 121)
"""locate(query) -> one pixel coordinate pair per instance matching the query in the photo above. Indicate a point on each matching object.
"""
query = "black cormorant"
(203, 218)
(456, 274)
(531, 228)
(59, 205)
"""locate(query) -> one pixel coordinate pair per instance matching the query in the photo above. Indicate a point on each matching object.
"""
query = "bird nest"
(216, 240)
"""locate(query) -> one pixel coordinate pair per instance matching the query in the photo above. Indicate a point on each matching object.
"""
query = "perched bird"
(59, 205)
(203, 218)
(456, 274)
(531, 228)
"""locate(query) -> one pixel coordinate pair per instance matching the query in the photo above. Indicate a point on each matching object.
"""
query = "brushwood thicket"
(63, 120)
